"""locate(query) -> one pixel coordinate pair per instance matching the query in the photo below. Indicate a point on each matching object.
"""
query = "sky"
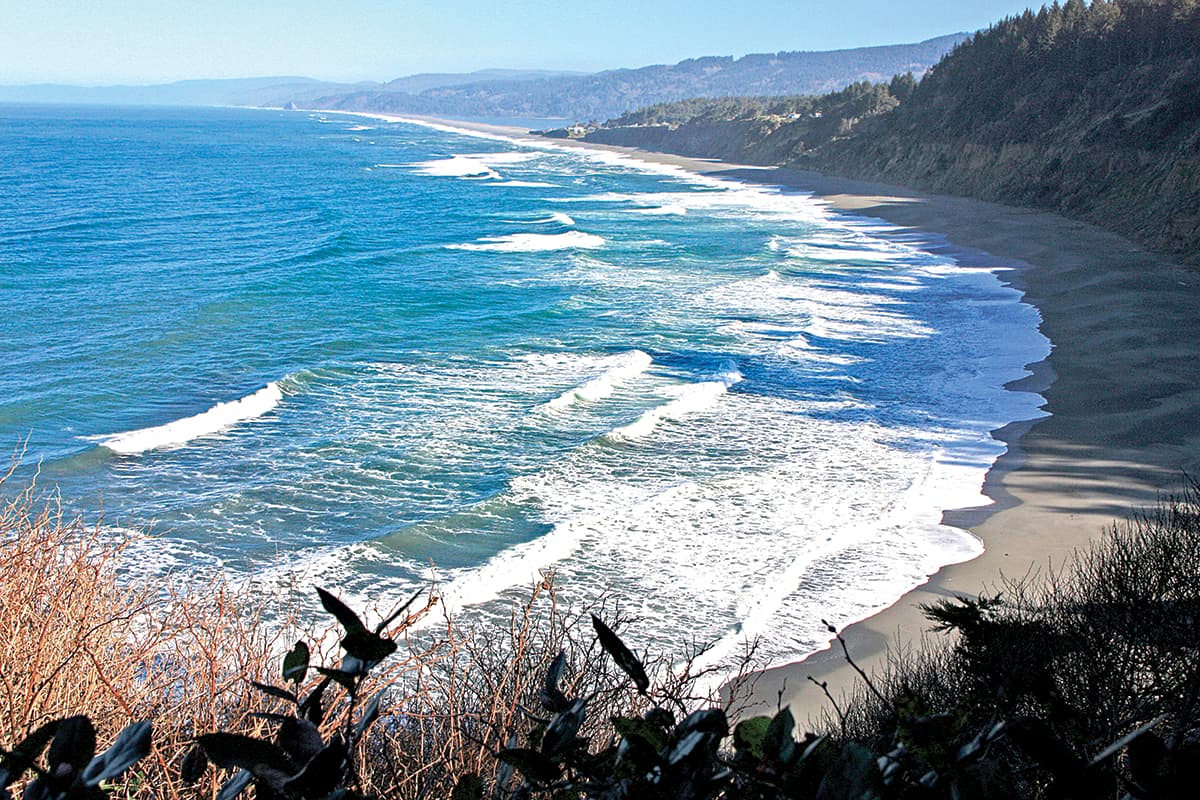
(97, 42)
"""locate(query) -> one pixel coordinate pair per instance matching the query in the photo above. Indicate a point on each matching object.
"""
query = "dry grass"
(77, 639)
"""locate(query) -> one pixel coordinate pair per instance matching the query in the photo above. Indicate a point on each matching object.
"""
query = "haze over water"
(343, 350)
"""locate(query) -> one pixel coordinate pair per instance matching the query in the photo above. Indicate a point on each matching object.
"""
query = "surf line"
(182, 431)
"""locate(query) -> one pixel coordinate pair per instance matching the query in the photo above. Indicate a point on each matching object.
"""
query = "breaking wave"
(533, 242)
(182, 431)
(630, 365)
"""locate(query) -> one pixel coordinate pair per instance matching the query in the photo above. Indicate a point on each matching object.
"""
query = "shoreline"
(1121, 385)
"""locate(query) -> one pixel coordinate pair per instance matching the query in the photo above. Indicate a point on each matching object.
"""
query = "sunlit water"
(363, 354)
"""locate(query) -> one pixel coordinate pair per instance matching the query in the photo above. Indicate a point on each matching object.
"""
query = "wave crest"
(694, 398)
(456, 167)
(182, 431)
(629, 366)
(533, 242)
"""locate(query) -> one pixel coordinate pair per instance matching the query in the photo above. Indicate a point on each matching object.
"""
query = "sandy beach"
(1121, 385)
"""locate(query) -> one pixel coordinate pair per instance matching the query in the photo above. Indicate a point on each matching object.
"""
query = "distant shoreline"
(1122, 386)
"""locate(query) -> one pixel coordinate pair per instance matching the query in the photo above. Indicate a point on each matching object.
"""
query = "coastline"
(1122, 386)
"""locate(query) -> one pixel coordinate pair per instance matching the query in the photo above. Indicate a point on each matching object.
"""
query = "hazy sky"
(142, 41)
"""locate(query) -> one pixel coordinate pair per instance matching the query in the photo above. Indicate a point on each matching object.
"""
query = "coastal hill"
(607, 94)
(228, 91)
(527, 94)
(264, 91)
(1092, 111)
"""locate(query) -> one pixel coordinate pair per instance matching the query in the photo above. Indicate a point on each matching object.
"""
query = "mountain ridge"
(612, 92)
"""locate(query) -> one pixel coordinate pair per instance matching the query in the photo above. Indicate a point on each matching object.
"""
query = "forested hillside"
(1089, 110)
(607, 94)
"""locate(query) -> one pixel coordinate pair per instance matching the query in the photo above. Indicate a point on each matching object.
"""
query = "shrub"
(76, 640)
(1104, 651)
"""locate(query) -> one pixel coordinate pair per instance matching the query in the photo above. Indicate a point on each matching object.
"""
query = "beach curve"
(1121, 385)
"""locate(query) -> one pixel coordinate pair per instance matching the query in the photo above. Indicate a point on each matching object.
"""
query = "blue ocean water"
(368, 354)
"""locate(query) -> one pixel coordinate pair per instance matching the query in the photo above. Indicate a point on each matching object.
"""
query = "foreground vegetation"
(1085, 684)
(1088, 109)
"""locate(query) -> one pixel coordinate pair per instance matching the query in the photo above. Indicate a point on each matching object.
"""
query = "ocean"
(315, 349)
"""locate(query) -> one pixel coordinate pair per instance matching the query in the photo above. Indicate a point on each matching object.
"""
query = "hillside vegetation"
(1092, 111)
(1081, 684)
(607, 94)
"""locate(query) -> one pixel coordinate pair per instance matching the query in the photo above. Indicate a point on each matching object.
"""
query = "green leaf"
(74, 744)
(195, 764)
(274, 691)
(263, 760)
(854, 776)
(706, 720)
(367, 647)
(469, 787)
(815, 746)
(688, 745)
(131, 746)
(621, 654)
(553, 699)
(348, 619)
(310, 707)
(322, 774)
(299, 739)
(560, 733)
(532, 764)
(749, 734)
(348, 680)
(642, 744)
(14, 764)
(640, 731)
(369, 714)
(660, 718)
(235, 785)
(295, 664)
(779, 743)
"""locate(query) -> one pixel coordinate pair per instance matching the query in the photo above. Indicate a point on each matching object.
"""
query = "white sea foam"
(533, 242)
(526, 184)
(523, 565)
(628, 366)
(896, 550)
(182, 431)
(671, 209)
(457, 167)
(503, 157)
(692, 399)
